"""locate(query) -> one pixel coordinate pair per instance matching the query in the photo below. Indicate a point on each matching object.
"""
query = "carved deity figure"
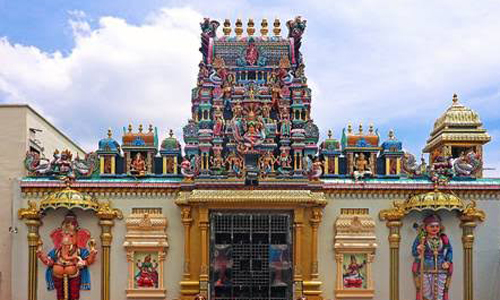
(286, 125)
(218, 122)
(147, 276)
(235, 164)
(361, 167)
(138, 165)
(68, 261)
(252, 54)
(217, 160)
(352, 276)
(433, 265)
(266, 163)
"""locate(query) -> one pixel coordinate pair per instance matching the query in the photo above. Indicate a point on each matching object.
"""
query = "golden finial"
(277, 29)
(239, 28)
(140, 127)
(250, 28)
(171, 133)
(110, 133)
(455, 99)
(360, 128)
(349, 127)
(129, 128)
(264, 30)
(329, 133)
(370, 128)
(227, 27)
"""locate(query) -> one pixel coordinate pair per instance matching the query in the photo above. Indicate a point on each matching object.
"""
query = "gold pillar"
(394, 240)
(468, 226)
(32, 216)
(106, 216)
(387, 166)
(326, 166)
(101, 164)
(164, 165)
(336, 165)
(298, 225)
(312, 287)
(175, 165)
(186, 221)
(203, 224)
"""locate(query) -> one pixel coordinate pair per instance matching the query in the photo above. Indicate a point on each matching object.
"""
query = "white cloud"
(116, 74)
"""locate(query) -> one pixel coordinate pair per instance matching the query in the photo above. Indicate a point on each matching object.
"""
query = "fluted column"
(204, 251)
(468, 243)
(394, 241)
(186, 221)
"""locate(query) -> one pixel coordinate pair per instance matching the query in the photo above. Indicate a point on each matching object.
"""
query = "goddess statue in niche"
(433, 265)
(147, 275)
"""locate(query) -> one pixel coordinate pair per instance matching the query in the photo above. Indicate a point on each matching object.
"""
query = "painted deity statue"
(361, 167)
(433, 248)
(353, 277)
(68, 261)
(138, 165)
(147, 276)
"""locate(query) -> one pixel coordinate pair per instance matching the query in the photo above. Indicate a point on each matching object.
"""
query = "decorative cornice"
(252, 196)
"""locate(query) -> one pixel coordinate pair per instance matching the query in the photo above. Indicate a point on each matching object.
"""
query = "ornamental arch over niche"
(70, 200)
(432, 202)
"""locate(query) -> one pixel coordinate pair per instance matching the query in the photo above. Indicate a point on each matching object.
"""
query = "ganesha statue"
(67, 263)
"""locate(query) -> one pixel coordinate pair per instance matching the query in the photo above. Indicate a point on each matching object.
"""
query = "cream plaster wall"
(15, 122)
(487, 249)
(486, 253)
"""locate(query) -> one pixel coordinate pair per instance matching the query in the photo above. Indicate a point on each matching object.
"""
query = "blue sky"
(91, 65)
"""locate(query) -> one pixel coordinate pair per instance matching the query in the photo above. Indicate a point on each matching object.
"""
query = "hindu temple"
(250, 203)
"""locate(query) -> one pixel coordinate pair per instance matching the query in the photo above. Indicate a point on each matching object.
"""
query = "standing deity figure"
(266, 163)
(286, 125)
(218, 122)
(361, 167)
(68, 261)
(433, 264)
(353, 277)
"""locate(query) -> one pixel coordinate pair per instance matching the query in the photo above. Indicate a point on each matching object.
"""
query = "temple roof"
(457, 124)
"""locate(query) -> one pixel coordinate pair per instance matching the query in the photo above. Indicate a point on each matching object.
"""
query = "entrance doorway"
(251, 255)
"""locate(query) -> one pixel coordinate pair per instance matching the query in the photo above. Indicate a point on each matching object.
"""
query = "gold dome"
(69, 198)
(457, 115)
(458, 124)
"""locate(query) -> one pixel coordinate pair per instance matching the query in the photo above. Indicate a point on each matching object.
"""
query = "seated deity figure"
(433, 266)
(147, 276)
(68, 262)
(361, 167)
(353, 277)
(138, 165)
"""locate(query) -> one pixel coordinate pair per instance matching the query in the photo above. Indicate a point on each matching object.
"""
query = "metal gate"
(251, 256)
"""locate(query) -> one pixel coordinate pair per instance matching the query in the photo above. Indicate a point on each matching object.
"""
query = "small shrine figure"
(286, 125)
(61, 164)
(235, 164)
(252, 54)
(68, 261)
(353, 277)
(218, 122)
(147, 276)
(266, 163)
(138, 165)
(216, 160)
(285, 161)
(433, 248)
(361, 167)
(237, 110)
(313, 169)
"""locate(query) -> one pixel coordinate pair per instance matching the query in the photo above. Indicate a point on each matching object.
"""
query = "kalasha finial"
(129, 128)
(150, 128)
(329, 133)
(264, 30)
(171, 133)
(391, 134)
(370, 128)
(140, 127)
(455, 99)
(110, 133)
(349, 127)
(360, 128)
(227, 27)
(277, 29)
(251, 27)
(239, 28)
